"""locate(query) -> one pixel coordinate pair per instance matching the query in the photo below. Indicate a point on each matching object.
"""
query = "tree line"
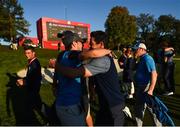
(125, 29)
(122, 28)
(12, 22)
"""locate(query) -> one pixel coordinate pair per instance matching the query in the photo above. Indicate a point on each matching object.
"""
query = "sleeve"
(169, 53)
(74, 55)
(150, 64)
(132, 64)
(98, 65)
(60, 55)
(121, 59)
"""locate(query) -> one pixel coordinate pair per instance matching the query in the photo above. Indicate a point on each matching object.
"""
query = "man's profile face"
(138, 52)
(93, 44)
(29, 54)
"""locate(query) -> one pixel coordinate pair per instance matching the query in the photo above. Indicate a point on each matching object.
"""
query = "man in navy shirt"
(32, 82)
(145, 80)
(68, 90)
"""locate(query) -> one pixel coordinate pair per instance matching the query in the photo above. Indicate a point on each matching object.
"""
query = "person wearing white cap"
(145, 81)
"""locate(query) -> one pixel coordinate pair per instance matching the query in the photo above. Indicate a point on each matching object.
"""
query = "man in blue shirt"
(69, 90)
(145, 81)
(105, 75)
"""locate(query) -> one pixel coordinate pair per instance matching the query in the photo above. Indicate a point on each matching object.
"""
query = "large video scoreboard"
(48, 28)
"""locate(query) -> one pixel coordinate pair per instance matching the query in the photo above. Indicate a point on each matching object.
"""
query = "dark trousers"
(104, 117)
(113, 117)
(169, 77)
(118, 114)
(34, 100)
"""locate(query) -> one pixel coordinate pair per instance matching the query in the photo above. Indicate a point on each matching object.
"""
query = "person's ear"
(102, 44)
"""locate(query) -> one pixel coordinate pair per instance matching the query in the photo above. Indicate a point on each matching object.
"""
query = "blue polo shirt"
(69, 89)
(144, 68)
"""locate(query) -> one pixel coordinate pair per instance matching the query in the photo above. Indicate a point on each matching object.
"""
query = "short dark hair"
(29, 48)
(165, 44)
(68, 37)
(99, 36)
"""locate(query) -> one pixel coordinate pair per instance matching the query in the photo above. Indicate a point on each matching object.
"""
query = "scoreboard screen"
(48, 29)
(54, 28)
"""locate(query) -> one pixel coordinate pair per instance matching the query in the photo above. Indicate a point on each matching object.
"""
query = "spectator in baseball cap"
(68, 90)
(145, 80)
(68, 37)
(139, 45)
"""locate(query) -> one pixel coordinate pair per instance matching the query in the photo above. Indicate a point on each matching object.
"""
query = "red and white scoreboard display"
(48, 28)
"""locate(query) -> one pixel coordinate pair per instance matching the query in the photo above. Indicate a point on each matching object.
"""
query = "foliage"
(27, 42)
(146, 30)
(12, 22)
(168, 29)
(120, 26)
(165, 25)
(145, 24)
(153, 31)
(177, 35)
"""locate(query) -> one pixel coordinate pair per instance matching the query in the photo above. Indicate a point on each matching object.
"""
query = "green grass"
(11, 62)
(172, 102)
(11, 97)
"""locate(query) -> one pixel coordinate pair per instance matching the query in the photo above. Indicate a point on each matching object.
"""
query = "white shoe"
(43, 110)
(130, 96)
(139, 122)
(127, 112)
(132, 88)
(168, 93)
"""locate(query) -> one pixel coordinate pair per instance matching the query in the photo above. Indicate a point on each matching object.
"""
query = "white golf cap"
(139, 45)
